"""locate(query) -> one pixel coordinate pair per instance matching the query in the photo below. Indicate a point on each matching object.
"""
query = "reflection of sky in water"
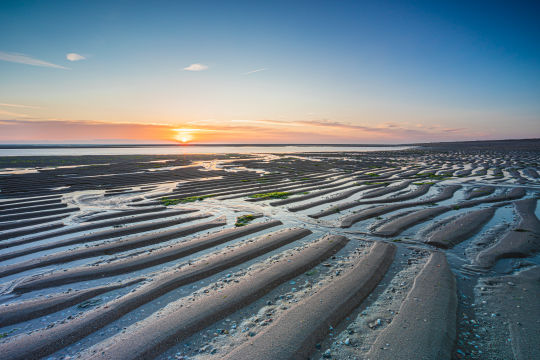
(185, 150)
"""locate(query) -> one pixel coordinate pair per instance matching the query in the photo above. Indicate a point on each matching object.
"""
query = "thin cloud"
(270, 122)
(387, 129)
(27, 60)
(188, 130)
(28, 129)
(74, 57)
(454, 130)
(196, 67)
(20, 106)
(254, 71)
(12, 114)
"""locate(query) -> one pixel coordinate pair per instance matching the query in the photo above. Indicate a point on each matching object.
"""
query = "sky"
(268, 72)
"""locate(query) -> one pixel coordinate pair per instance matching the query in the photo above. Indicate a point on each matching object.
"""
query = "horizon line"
(96, 145)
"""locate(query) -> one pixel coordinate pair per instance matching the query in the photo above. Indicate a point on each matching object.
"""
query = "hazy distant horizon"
(187, 145)
(120, 144)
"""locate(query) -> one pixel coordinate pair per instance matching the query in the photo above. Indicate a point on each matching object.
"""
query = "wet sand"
(430, 252)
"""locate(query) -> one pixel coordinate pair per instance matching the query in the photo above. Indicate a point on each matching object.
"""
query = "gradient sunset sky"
(268, 72)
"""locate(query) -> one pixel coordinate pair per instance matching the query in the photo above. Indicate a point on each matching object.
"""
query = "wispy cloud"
(326, 126)
(30, 129)
(254, 71)
(12, 114)
(74, 57)
(190, 130)
(20, 106)
(24, 59)
(196, 67)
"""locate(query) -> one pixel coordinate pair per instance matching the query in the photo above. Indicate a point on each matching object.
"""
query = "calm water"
(192, 149)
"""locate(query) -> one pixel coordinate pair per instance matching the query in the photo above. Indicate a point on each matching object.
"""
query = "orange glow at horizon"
(245, 131)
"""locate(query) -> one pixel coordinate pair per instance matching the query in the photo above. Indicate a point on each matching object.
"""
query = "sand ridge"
(341, 255)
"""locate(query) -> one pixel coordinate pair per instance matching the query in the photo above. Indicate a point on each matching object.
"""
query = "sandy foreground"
(426, 253)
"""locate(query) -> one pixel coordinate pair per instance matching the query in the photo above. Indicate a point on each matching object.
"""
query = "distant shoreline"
(440, 143)
(42, 146)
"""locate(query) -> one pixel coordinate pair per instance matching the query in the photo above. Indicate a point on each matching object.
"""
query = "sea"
(79, 150)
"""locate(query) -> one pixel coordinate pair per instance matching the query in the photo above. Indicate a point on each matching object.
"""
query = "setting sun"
(184, 135)
(183, 138)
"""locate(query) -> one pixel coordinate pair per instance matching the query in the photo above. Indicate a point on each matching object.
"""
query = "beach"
(424, 251)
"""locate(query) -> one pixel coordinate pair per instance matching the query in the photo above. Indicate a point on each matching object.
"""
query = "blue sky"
(390, 71)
